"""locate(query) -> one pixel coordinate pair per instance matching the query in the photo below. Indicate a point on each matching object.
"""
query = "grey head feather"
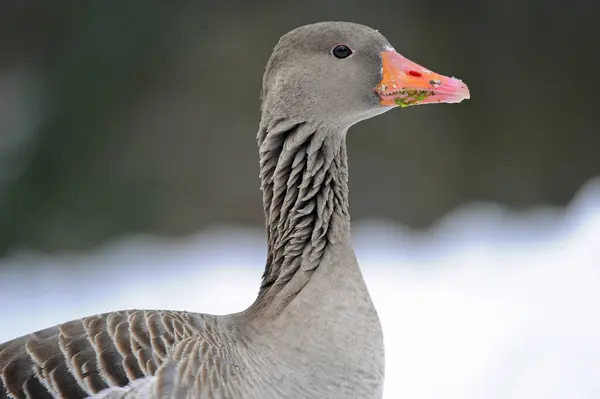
(303, 80)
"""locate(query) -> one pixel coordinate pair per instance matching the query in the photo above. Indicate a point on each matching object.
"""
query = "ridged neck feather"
(304, 180)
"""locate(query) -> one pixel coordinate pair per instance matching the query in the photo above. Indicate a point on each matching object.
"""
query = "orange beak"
(406, 83)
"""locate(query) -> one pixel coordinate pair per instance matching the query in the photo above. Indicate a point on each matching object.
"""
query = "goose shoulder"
(86, 356)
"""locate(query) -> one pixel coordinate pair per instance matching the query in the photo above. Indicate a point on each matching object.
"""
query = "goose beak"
(406, 83)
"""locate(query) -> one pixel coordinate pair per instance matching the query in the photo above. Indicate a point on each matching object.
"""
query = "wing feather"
(118, 354)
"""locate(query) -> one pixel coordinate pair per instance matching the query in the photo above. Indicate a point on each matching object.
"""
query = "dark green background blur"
(123, 117)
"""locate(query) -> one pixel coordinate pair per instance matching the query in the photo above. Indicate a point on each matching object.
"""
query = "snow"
(489, 303)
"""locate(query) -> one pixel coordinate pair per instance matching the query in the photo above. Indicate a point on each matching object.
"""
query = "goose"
(313, 331)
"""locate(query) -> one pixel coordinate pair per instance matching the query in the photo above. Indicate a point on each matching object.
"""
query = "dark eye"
(341, 51)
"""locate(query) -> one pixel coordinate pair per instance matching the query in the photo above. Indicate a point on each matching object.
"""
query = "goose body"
(313, 331)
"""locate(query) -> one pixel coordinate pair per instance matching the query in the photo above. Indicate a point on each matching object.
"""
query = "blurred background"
(128, 148)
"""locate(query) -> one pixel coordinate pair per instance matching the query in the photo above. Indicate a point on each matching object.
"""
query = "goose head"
(344, 72)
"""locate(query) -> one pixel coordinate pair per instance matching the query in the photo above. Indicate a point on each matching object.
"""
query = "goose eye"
(341, 51)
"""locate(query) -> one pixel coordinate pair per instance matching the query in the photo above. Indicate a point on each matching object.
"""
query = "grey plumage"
(313, 331)
(303, 186)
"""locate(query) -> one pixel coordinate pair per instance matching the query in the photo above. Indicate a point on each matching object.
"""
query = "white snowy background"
(489, 303)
